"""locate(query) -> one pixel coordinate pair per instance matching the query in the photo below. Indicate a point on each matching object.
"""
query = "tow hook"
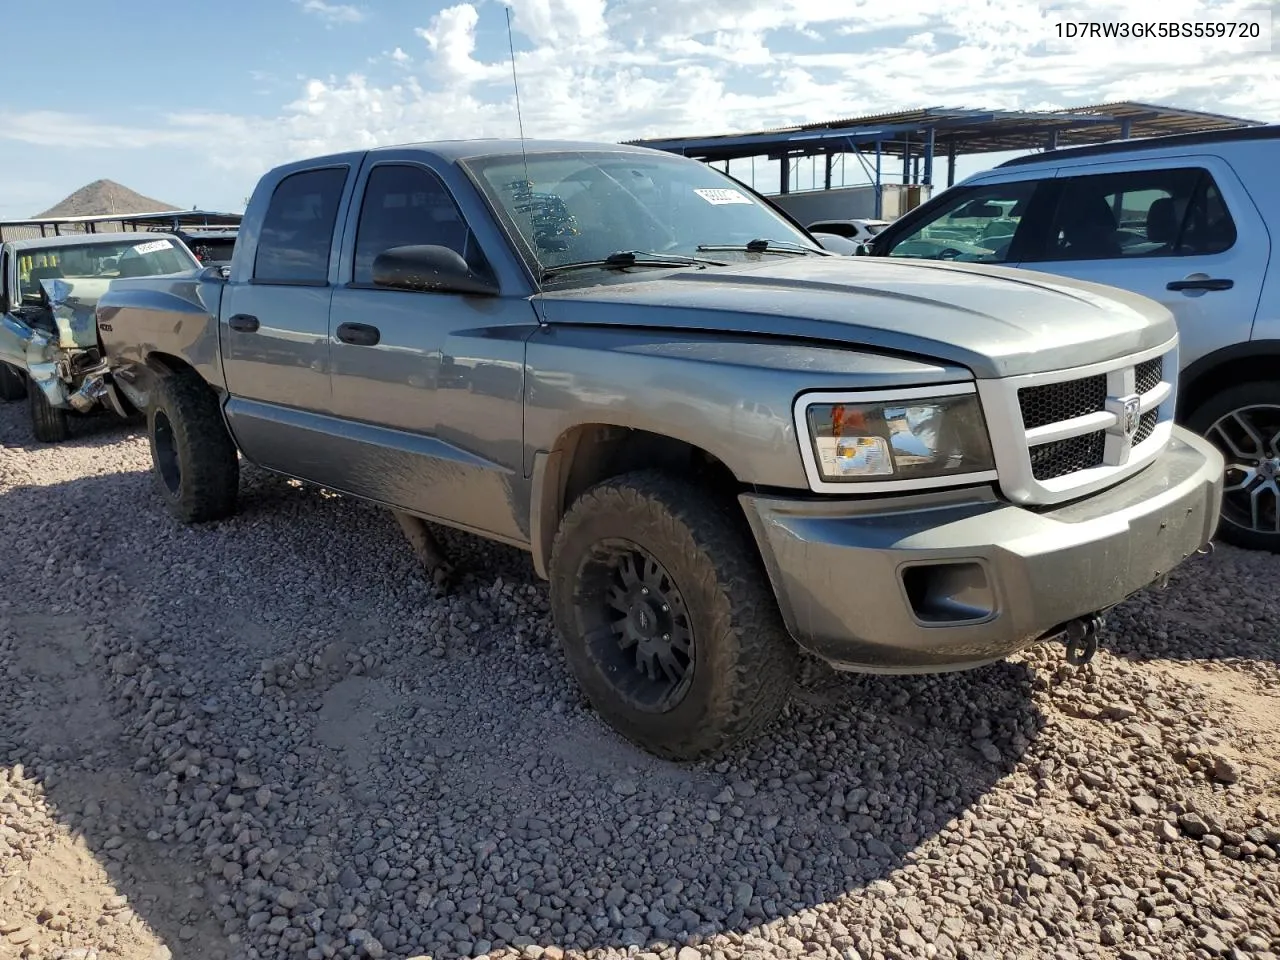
(1081, 639)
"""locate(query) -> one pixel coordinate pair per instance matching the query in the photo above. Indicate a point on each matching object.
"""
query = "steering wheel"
(950, 253)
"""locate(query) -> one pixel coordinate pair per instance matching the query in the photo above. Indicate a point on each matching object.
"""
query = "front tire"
(667, 618)
(13, 385)
(194, 460)
(1243, 422)
(48, 423)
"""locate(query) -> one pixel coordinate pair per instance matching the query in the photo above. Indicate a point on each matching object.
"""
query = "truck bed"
(174, 316)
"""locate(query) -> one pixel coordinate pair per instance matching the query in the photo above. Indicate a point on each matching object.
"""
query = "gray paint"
(835, 564)
(460, 413)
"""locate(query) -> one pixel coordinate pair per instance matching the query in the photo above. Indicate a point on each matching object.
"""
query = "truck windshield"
(144, 257)
(576, 207)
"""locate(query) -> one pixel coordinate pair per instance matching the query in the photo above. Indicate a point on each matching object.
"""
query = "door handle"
(1208, 283)
(359, 334)
(243, 323)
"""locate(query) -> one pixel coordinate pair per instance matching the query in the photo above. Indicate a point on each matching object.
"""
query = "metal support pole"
(879, 190)
(1053, 141)
(830, 158)
(906, 159)
(951, 163)
(1125, 127)
(928, 157)
(785, 181)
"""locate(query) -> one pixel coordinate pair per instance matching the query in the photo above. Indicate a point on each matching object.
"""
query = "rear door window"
(1161, 212)
(297, 232)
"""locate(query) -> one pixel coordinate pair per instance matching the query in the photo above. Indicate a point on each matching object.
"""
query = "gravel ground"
(269, 738)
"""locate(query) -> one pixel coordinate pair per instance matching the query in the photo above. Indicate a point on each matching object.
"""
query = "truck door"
(1180, 230)
(428, 388)
(275, 323)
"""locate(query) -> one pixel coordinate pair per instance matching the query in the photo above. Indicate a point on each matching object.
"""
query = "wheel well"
(1205, 383)
(166, 364)
(587, 454)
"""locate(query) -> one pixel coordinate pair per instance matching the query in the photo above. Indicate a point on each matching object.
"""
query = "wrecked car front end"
(55, 345)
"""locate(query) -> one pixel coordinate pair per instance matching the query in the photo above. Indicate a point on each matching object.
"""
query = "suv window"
(837, 227)
(976, 225)
(403, 205)
(297, 232)
(1138, 213)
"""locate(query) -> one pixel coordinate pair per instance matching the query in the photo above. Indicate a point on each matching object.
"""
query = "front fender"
(730, 395)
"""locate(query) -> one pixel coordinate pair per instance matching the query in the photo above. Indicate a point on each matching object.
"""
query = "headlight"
(887, 438)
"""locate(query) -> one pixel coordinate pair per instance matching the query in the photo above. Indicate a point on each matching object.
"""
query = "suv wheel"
(1244, 423)
(667, 618)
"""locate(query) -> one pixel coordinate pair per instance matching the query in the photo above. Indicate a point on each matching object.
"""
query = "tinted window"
(976, 225)
(298, 229)
(840, 229)
(408, 205)
(1138, 213)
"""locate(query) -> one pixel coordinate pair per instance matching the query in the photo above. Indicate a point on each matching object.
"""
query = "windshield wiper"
(760, 246)
(631, 258)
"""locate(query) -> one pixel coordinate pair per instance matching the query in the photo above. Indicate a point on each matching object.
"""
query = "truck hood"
(996, 321)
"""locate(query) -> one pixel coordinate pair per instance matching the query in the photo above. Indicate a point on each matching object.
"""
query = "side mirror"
(863, 250)
(429, 268)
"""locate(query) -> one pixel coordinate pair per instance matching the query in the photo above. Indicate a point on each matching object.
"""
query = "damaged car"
(49, 350)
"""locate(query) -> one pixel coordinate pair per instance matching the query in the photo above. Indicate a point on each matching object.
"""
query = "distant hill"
(104, 197)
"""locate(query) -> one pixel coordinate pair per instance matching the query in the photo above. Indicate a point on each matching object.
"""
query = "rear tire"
(48, 423)
(13, 385)
(701, 660)
(1243, 422)
(194, 460)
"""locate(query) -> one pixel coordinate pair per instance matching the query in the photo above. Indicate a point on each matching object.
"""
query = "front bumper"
(957, 579)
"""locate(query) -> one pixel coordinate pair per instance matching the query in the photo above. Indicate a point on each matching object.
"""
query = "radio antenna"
(524, 157)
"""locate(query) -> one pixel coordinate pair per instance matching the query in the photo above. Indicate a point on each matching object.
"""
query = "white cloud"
(332, 12)
(624, 69)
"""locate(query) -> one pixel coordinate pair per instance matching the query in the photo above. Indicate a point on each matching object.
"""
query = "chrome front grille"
(1070, 432)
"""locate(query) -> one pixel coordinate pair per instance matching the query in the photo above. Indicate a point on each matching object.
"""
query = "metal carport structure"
(917, 138)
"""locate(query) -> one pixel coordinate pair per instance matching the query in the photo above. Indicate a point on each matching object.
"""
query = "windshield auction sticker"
(721, 196)
(152, 247)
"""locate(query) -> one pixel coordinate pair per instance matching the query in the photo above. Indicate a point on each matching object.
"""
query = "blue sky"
(206, 98)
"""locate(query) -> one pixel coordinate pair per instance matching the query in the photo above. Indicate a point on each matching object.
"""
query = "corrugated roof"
(967, 130)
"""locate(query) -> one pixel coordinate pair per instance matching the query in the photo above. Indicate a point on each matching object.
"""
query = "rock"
(625, 788)
(1226, 770)
(1193, 825)
(1144, 805)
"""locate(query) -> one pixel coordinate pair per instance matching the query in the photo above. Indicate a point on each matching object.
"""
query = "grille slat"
(1055, 402)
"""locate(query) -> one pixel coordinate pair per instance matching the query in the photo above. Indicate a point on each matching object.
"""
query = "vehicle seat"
(1162, 223)
(1088, 227)
(131, 267)
(32, 291)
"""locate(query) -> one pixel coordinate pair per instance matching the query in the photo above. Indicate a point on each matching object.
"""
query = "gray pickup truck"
(724, 447)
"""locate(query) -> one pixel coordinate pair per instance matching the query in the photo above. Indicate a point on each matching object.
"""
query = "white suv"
(1186, 220)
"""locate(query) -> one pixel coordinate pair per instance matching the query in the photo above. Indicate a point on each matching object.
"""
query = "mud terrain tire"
(692, 555)
(194, 460)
